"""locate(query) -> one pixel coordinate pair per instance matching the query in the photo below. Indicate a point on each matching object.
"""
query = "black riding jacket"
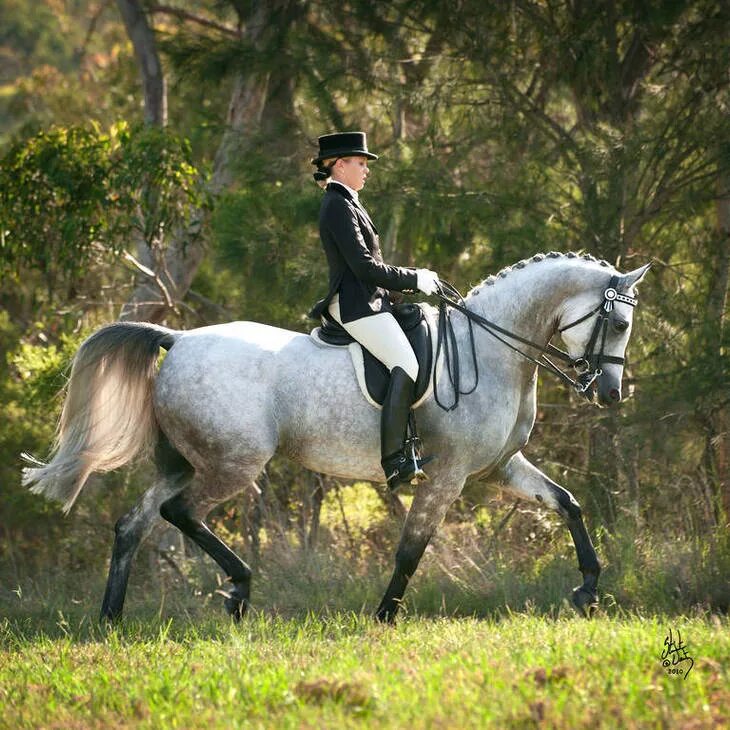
(356, 268)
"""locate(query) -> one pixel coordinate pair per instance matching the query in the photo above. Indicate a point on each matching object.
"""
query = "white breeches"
(382, 336)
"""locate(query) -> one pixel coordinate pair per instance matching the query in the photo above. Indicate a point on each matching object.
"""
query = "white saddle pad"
(358, 363)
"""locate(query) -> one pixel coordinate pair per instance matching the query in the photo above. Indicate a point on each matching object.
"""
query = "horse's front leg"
(430, 503)
(520, 476)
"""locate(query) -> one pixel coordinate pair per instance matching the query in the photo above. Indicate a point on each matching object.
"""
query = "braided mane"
(537, 258)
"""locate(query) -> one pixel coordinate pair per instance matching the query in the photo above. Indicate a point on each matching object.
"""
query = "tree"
(502, 131)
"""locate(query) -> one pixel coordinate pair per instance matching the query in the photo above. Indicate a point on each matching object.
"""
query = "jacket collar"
(348, 192)
(344, 191)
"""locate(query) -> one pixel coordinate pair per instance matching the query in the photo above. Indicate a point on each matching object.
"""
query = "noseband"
(588, 366)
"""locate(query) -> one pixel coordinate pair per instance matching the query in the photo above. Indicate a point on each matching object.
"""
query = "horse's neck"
(526, 301)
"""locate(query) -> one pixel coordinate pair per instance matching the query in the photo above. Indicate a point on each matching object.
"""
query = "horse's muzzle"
(608, 391)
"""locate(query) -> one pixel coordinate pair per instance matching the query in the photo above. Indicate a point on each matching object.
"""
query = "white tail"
(107, 417)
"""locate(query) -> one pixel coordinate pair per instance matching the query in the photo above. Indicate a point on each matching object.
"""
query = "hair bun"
(321, 175)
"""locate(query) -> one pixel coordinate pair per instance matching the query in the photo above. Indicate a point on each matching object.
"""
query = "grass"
(486, 639)
(343, 670)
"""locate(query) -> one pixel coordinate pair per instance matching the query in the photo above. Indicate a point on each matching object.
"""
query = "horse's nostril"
(614, 394)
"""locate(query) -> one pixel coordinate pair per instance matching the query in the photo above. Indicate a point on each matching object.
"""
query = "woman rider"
(358, 296)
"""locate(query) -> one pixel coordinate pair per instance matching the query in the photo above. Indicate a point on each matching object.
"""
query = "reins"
(588, 366)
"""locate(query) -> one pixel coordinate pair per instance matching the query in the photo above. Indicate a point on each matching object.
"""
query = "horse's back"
(240, 336)
(224, 356)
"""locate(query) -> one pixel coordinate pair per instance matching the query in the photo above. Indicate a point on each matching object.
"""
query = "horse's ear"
(634, 277)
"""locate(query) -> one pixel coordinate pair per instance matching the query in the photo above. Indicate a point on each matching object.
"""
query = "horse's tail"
(107, 417)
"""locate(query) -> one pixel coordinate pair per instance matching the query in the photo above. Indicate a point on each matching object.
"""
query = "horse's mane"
(537, 258)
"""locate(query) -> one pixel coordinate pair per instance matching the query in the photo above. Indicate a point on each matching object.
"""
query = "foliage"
(53, 200)
(29, 40)
(70, 197)
(266, 244)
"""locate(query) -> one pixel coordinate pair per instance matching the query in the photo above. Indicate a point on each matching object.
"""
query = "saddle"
(372, 375)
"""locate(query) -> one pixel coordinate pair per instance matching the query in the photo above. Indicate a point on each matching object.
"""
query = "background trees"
(155, 165)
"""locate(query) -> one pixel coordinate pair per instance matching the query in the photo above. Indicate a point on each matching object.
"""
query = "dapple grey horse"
(228, 396)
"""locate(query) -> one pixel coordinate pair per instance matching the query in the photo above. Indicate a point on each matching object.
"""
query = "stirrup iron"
(408, 466)
(412, 448)
(407, 471)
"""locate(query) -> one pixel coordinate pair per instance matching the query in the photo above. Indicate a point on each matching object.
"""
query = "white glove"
(428, 281)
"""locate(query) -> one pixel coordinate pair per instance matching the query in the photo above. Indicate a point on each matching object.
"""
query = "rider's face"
(352, 171)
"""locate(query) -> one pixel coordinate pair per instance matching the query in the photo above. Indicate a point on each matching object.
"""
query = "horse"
(228, 396)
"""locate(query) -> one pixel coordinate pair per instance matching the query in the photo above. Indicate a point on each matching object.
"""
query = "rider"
(358, 296)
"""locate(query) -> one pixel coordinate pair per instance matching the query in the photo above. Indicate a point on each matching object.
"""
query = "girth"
(416, 327)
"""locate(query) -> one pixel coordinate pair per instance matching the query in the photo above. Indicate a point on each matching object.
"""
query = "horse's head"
(595, 325)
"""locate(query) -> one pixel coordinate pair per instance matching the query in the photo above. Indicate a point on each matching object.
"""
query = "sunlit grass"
(486, 638)
(344, 670)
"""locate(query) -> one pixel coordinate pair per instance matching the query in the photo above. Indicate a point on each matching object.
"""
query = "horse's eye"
(620, 325)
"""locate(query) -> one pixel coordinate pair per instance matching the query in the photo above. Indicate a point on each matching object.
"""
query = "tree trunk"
(317, 499)
(154, 89)
(169, 279)
(145, 50)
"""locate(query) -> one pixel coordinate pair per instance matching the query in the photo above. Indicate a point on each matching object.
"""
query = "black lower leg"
(128, 533)
(406, 561)
(585, 597)
(177, 511)
(395, 411)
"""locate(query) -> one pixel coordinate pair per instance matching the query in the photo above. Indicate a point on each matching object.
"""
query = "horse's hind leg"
(133, 527)
(181, 511)
(129, 531)
(520, 476)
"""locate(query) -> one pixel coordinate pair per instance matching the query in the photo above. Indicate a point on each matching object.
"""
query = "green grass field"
(486, 638)
(343, 670)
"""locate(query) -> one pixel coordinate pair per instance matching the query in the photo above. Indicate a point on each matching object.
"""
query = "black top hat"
(343, 144)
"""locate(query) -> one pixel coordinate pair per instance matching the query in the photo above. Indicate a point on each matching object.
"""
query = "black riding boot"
(399, 467)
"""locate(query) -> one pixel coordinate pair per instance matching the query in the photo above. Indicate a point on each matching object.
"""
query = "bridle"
(588, 366)
(592, 360)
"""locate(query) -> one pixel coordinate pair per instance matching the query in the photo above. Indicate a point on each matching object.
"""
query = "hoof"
(236, 602)
(585, 602)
